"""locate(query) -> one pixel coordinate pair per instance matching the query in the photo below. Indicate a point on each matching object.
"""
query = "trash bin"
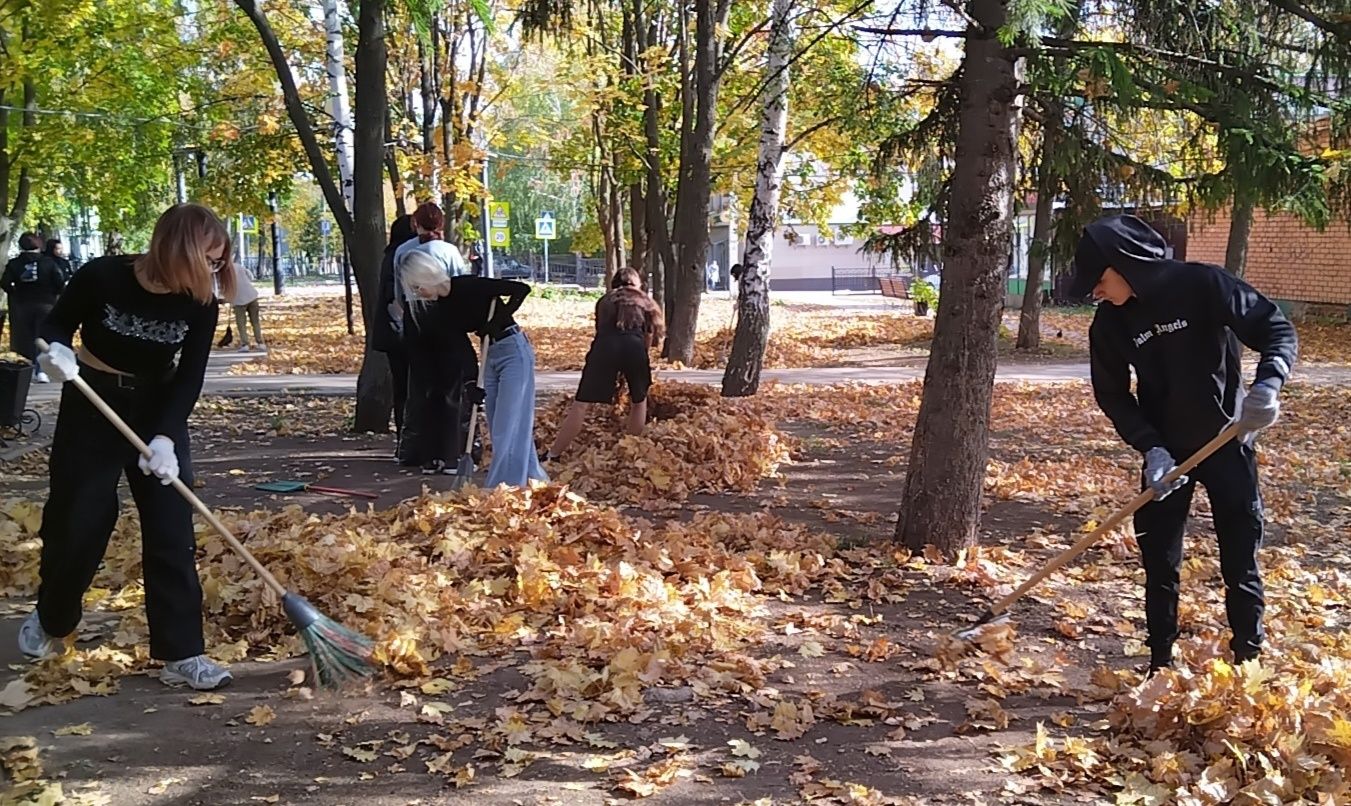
(15, 378)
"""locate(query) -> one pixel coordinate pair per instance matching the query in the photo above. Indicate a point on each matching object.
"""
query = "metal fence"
(858, 279)
(586, 272)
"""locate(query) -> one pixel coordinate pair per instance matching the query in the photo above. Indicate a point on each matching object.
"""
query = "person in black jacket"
(387, 329)
(33, 285)
(1178, 326)
(55, 252)
(447, 309)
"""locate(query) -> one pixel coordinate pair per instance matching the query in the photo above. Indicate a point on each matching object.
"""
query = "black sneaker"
(435, 467)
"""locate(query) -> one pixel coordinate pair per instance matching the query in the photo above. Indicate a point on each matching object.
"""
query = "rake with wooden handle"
(337, 653)
(998, 610)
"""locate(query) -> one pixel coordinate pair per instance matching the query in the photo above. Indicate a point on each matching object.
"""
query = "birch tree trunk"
(338, 100)
(742, 376)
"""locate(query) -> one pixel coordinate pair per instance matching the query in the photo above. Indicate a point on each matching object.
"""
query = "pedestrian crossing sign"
(546, 226)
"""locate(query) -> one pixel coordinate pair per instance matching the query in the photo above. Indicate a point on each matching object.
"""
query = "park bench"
(894, 287)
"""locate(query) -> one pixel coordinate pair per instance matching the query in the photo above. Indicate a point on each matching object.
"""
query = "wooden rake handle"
(183, 490)
(1115, 520)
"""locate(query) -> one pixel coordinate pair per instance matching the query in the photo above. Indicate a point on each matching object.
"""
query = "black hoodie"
(1181, 334)
(30, 279)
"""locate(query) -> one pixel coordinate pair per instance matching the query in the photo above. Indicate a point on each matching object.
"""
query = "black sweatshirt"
(31, 279)
(465, 308)
(139, 333)
(1181, 334)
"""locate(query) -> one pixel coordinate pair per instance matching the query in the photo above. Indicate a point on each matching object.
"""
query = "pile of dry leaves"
(607, 605)
(695, 441)
(1274, 731)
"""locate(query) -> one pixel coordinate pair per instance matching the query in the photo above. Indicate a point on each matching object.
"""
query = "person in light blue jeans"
(445, 308)
(509, 386)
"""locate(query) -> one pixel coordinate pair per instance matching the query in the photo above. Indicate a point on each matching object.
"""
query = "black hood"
(401, 231)
(1123, 242)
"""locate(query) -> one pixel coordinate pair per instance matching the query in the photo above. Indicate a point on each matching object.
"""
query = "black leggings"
(89, 456)
(1230, 478)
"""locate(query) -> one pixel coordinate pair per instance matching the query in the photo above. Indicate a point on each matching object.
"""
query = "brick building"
(1307, 270)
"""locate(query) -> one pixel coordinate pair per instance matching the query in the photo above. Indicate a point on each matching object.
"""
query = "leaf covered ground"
(308, 335)
(755, 638)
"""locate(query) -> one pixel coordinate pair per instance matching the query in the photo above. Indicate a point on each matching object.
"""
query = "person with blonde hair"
(445, 310)
(145, 323)
(628, 324)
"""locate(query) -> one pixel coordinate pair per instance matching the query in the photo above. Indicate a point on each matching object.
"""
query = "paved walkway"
(220, 382)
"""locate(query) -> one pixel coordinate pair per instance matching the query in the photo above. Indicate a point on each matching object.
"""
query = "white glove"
(59, 363)
(162, 461)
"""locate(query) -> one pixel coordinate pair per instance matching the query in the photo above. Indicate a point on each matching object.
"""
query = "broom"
(337, 654)
(465, 467)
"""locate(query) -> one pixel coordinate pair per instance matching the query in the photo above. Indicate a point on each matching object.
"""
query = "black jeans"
(1230, 478)
(437, 415)
(398, 370)
(89, 456)
(24, 320)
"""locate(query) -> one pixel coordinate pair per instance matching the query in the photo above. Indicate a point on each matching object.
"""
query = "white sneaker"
(41, 377)
(243, 348)
(198, 672)
(34, 642)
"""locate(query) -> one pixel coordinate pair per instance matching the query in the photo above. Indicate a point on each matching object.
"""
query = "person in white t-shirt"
(245, 305)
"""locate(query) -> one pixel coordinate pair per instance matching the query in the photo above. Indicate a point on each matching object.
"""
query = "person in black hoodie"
(33, 285)
(1179, 325)
(387, 329)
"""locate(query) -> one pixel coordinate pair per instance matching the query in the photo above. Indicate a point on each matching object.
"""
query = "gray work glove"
(1159, 463)
(1258, 409)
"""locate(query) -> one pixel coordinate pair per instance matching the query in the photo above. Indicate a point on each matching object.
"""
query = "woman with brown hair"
(146, 324)
(628, 324)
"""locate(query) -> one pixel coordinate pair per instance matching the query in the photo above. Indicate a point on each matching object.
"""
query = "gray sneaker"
(198, 672)
(34, 642)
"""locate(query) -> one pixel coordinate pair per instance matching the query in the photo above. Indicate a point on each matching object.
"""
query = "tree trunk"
(942, 499)
(692, 204)
(375, 393)
(1240, 228)
(295, 110)
(657, 236)
(395, 178)
(638, 227)
(427, 92)
(742, 376)
(11, 219)
(339, 106)
(1029, 320)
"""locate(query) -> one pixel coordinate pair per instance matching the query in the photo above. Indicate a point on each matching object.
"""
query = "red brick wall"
(1286, 259)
